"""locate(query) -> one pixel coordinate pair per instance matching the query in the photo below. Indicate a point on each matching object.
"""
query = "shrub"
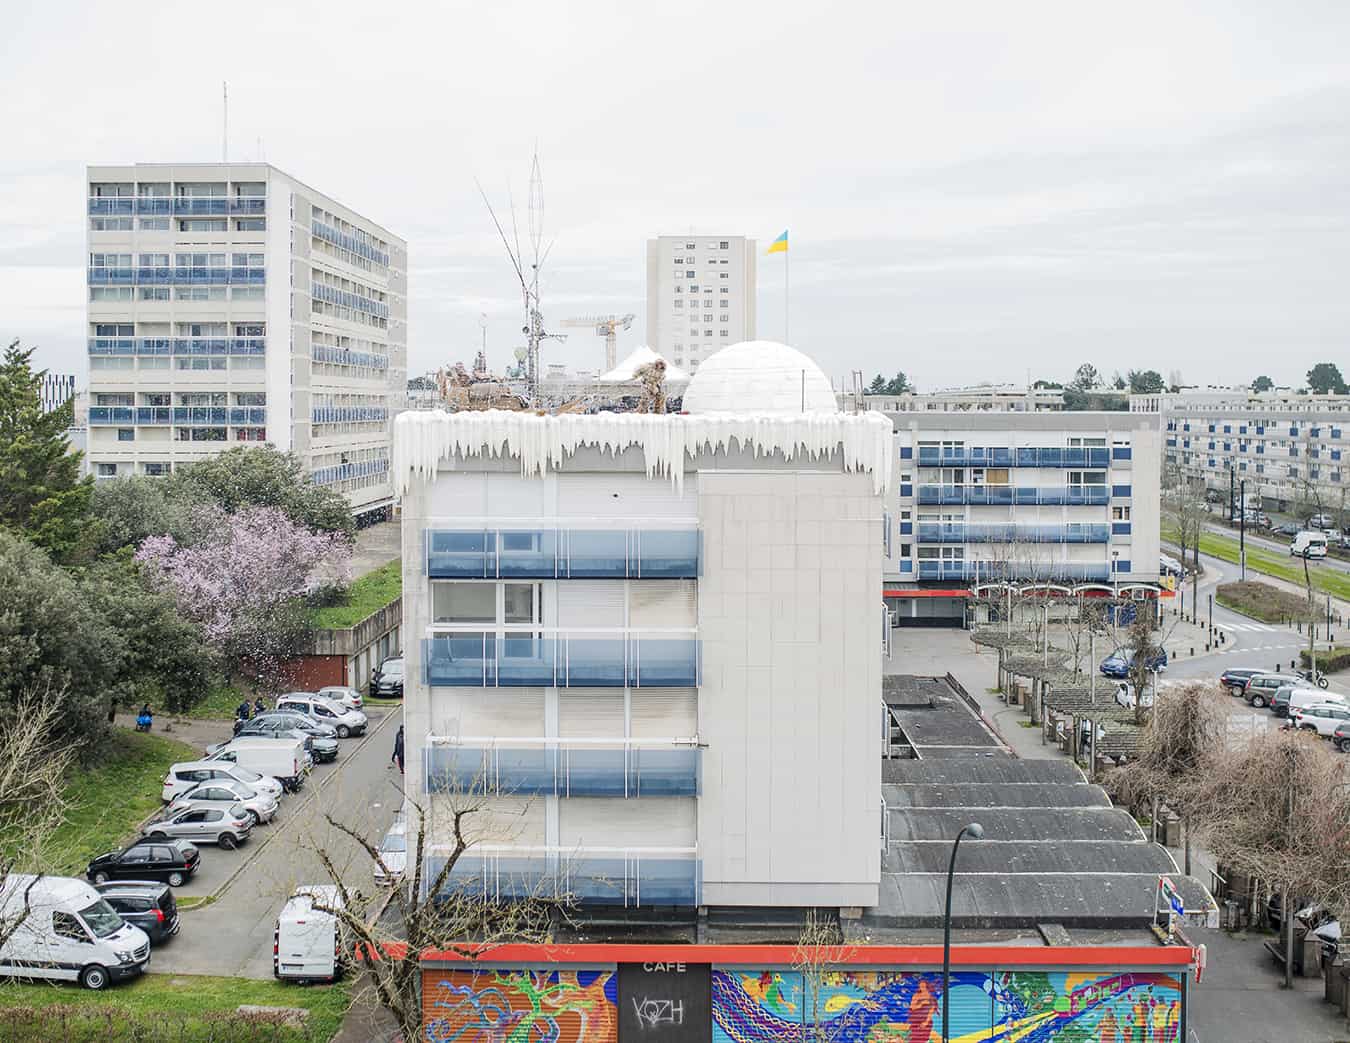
(1328, 662)
(1262, 601)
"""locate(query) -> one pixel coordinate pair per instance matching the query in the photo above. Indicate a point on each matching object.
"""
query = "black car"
(1236, 680)
(318, 737)
(387, 680)
(171, 861)
(145, 904)
(1341, 737)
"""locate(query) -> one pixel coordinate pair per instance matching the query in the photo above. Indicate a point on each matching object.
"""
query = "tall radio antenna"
(527, 271)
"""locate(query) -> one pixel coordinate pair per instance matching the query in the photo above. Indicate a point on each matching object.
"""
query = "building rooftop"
(759, 376)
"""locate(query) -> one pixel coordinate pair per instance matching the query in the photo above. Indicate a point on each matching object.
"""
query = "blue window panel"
(528, 771)
(1211, 428)
(1120, 528)
(1211, 447)
(906, 490)
(597, 554)
(1335, 454)
(1293, 431)
(1228, 429)
(906, 452)
(461, 554)
(594, 773)
(659, 662)
(1185, 427)
(1242, 429)
(1293, 450)
(454, 769)
(906, 528)
(906, 566)
(1123, 565)
(1172, 442)
(1335, 432)
(1261, 449)
(1314, 432)
(1211, 461)
(664, 773)
(669, 554)
(594, 662)
(527, 554)
(1260, 430)
(1227, 447)
(527, 661)
(460, 661)
(1120, 490)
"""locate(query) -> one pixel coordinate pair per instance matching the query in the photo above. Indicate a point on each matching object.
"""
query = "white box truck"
(283, 759)
(307, 939)
(69, 933)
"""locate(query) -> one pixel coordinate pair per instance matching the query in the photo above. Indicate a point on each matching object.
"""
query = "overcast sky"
(974, 191)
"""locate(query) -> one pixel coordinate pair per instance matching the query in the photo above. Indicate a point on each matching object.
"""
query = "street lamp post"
(1242, 531)
(976, 832)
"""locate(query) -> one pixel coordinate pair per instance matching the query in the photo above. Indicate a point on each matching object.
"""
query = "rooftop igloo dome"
(759, 376)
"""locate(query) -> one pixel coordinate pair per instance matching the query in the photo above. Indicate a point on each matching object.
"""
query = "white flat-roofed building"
(230, 304)
(700, 295)
(1070, 499)
(1290, 448)
(654, 640)
(983, 398)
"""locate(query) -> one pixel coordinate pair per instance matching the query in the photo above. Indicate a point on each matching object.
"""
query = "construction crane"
(607, 326)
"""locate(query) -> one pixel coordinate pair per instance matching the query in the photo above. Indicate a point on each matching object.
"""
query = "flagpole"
(787, 293)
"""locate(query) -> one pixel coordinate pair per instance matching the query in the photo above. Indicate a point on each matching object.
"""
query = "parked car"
(1321, 521)
(1119, 662)
(341, 693)
(1323, 718)
(345, 721)
(68, 934)
(172, 861)
(307, 941)
(224, 794)
(282, 758)
(323, 748)
(187, 774)
(1284, 529)
(394, 854)
(1341, 737)
(228, 827)
(387, 680)
(1289, 698)
(1261, 689)
(146, 904)
(1307, 544)
(1235, 680)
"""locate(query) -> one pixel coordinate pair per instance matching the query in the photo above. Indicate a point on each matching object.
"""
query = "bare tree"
(820, 946)
(1185, 514)
(1274, 808)
(34, 769)
(1143, 647)
(1180, 748)
(445, 911)
(1081, 625)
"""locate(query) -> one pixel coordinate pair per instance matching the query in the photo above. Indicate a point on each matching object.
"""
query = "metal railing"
(564, 553)
(1018, 496)
(564, 769)
(1003, 456)
(960, 532)
(592, 659)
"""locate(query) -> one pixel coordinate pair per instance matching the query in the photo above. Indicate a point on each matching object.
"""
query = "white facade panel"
(612, 822)
(592, 603)
(663, 603)
(593, 714)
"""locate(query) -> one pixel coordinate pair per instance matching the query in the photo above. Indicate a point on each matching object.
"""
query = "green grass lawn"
(366, 595)
(218, 705)
(1273, 563)
(175, 1007)
(109, 798)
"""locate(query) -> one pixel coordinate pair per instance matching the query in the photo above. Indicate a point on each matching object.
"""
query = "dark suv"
(387, 680)
(1341, 737)
(172, 861)
(146, 904)
(1236, 680)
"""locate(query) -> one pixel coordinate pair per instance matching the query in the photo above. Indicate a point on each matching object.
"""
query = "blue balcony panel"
(668, 554)
(595, 662)
(933, 532)
(626, 879)
(562, 770)
(528, 554)
(1003, 571)
(596, 554)
(111, 205)
(1022, 496)
(510, 660)
(664, 662)
(646, 553)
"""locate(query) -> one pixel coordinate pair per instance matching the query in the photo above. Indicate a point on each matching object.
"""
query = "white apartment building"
(700, 295)
(984, 398)
(231, 304)
(1290, 449)
(652, 642)
(1029, 498)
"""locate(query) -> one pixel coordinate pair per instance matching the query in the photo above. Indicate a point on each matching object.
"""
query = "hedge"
(1328, 662)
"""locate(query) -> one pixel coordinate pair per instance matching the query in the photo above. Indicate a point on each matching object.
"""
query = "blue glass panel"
(670, 554)
(1120, 528)
(664, 662)
(667, 881)
(600, 554)
(526, 661)
(597, 881)
(594, 662)
(524, 771)
(530, 554)
(1120, 490)
(665, 773)
(461, 553)
(594, 773)
(461, 661)
(455, 769)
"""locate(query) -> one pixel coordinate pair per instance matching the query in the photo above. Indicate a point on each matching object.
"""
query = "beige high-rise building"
(700, 295)
(230, 304)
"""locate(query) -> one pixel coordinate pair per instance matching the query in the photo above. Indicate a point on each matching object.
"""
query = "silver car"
(394, 854)
(344, 720)
(341, 693)
(225, 794)
(228, 827)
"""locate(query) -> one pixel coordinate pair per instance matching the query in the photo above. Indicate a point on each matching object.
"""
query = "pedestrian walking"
(398, 749)
(259, 707)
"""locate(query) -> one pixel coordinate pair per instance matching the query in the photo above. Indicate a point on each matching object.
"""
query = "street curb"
(206, 901)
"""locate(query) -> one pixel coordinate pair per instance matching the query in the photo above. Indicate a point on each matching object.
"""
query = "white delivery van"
(1308, 545)
(69, 933)
(283, 759)
(307, 940)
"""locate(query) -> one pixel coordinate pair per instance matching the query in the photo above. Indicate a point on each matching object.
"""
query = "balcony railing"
(174, 275)
(348, 414)
(933, 532)
(1010, 495)
(514, 659)
(1003, 571)
(563, 770)
(215, 415)
(1003, 456)
(559, 553)
(177, 346)
(112, 205)
(588, 876)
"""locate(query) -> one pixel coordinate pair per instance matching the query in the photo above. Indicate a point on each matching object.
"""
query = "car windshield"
(101, 919)
(395, 842)
(392, 668)
(246, 774)
(237, 810)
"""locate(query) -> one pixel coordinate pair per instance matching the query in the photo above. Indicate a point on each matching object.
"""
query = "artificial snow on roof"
(759, 376)
(640, 356)
(423, 439)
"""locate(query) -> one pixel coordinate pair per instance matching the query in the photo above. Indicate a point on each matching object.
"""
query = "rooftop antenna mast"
(527, 272)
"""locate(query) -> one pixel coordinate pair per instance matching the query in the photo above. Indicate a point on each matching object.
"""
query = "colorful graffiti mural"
(520, 1006)
(753, 1006)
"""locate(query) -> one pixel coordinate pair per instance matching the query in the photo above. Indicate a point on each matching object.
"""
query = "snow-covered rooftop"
(640, 356)
(422, 439)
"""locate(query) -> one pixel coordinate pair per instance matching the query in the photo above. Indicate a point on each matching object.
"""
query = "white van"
(283, 759)
(69, 933)
(1308, 545)
(307, 941)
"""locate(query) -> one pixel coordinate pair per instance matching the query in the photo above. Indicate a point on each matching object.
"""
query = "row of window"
(158, 363)
(201, 434)
(180, 398)
(145, 190)
(165, 224)
(120, 294)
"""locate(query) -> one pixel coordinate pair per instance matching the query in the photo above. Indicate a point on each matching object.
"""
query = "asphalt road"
(1275, 545)
(233, 935)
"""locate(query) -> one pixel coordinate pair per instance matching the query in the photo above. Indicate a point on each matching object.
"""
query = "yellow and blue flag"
(779, 245)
